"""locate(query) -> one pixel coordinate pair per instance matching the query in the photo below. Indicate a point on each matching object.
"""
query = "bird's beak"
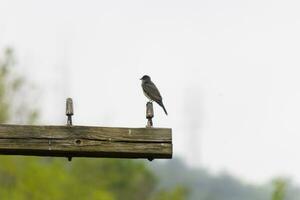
(140, 78)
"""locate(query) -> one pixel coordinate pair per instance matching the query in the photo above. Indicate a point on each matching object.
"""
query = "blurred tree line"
(35, 178)
(201, 185)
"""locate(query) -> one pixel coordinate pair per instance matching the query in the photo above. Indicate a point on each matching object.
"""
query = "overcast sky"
(228, 72)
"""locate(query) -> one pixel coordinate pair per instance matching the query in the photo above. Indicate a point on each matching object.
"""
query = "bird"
(151, 91)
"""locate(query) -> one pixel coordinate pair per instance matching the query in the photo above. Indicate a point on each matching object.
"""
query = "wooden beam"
(86, 141)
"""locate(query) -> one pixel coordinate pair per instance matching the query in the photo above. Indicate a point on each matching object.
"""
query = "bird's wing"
(151, 90)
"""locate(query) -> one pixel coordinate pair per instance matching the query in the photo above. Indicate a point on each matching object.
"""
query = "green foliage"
(37, 178)
(178, 193)
(126, 179)
(279, 185)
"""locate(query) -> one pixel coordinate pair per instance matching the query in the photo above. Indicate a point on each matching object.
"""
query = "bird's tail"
(162, 105)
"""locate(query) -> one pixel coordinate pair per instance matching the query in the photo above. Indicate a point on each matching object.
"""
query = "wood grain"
(86, 141)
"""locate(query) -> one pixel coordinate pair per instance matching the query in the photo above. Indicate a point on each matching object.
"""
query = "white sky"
(228, 72)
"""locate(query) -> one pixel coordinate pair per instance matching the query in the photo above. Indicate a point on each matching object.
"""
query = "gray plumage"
(151, 91)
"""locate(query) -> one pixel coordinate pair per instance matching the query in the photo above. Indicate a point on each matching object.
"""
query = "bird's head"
(145, 78)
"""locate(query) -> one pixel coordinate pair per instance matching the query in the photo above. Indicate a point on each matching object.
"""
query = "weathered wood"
(86, 141)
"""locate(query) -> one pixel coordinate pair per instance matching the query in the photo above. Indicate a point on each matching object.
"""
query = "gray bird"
(151, 91)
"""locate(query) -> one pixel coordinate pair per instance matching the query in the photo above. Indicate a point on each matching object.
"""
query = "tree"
(279, 185)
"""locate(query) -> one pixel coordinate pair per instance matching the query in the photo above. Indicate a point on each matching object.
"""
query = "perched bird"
(151, 91)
